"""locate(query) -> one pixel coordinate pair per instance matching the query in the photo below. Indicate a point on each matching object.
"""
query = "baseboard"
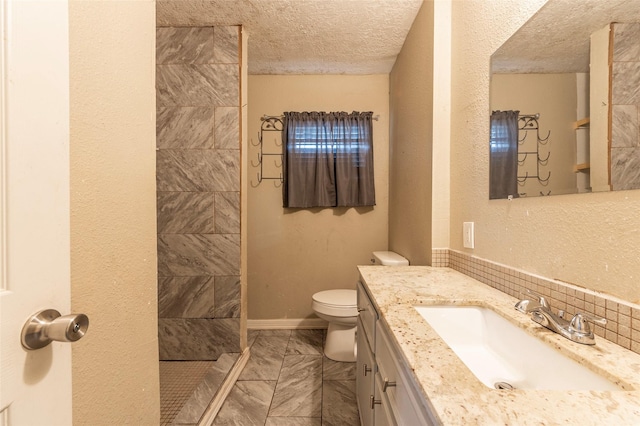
(212, 411)
(286, 324)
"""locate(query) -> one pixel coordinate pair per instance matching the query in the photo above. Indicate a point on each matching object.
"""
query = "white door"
(35, 386)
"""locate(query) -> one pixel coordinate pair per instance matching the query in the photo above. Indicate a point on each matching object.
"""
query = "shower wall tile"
(624, 126)
(625, 99)
(198, 254)
(184, 45)
(227, 131)
(625, 168)
(226, 49)
(626, 47)
(625, 88)
(197, 85)
(227, 297)
(186, 297)
(197, 170)
(185, 127)
(185, 212)
(227, 213)
(197, 339)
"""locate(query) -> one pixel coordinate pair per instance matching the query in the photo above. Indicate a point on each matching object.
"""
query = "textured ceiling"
(556, 38)
(306, 36)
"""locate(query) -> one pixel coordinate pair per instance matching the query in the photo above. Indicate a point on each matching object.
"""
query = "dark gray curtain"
(328, 159)
(503, 159)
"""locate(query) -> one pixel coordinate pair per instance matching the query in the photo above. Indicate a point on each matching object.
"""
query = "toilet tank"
(388, 258)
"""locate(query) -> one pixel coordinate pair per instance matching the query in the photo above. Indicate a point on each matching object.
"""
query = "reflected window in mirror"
(503, 165)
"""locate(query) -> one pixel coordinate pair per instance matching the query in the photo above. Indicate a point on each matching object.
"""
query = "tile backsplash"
(623, 318)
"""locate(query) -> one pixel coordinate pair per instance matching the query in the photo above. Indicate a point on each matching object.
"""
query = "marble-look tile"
(267, 355)
(197, 85)
(185, 127)
(252, 335)
(227, 213)
(247, 404)
(305, 342)
(625, 168)
(335, 370)
(227, 128)
(184, 45)
(625, 88)
(191, 255)
(185, 212)
(295, 421)
(339, 405)
(196, 338)
(226, 47)
(227, 296)
(186, 297)
(625, 42)
(199, 401)
(624, 126)
(205, 170)
(299, 389)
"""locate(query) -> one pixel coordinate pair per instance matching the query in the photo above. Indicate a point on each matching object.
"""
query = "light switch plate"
(467, 235)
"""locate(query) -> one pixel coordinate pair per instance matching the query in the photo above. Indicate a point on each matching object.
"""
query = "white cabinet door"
(365, 371)
(35, 386)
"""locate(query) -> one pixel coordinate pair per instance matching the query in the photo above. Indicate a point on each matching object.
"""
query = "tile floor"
(288, 381)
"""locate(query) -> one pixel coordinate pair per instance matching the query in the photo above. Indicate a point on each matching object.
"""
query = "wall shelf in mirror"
(582, 124)
(582, 167)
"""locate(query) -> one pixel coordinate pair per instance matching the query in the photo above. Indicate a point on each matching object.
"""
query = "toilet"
(340, 309)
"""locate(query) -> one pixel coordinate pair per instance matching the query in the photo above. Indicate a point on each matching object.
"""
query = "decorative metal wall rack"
(269, 124)
(528, 124)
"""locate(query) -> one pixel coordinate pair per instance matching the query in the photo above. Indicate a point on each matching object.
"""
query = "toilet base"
(341, 343)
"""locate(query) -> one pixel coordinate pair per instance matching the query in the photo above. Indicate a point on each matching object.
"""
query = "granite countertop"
(456, 395)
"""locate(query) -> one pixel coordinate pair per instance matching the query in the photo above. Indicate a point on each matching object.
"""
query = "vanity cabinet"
(387, 394)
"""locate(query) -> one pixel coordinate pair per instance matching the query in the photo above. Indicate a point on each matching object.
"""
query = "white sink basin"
(497, 351)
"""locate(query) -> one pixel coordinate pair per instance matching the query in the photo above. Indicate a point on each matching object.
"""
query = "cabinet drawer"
(368, 315)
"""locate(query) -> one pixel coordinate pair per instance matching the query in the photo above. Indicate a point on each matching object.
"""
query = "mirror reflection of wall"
(582, 77)
(625, 103)
(554, 98)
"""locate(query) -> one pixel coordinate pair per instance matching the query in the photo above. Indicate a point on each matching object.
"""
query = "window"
(328, 159)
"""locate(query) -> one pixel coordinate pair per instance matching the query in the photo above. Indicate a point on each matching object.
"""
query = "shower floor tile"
(178, 381)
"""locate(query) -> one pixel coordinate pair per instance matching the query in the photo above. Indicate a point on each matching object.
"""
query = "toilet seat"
(337, 303)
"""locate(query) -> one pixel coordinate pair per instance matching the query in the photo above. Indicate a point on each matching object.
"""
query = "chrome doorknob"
(48, 325)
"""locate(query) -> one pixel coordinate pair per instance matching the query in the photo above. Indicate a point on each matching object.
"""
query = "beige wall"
(554, 97)
(411, 135)
(295, 253)
(113, 222)
(587, 239)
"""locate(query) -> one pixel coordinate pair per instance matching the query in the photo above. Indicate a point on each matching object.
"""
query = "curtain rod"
(266, 117)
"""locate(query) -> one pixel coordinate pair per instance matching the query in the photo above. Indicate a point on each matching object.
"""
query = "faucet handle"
(580, 322)
(541, 300)
(527, 305)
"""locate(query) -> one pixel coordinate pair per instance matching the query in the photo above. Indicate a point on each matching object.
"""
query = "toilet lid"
(346, 298)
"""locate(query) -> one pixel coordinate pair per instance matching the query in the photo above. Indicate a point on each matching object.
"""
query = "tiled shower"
(625, 125)
(198, 193)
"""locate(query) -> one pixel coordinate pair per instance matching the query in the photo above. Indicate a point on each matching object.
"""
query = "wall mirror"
(571, 73)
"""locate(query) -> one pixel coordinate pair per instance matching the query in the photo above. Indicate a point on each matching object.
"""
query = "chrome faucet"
(577, 330)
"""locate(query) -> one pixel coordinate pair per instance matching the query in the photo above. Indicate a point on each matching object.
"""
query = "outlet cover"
(467, 235)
